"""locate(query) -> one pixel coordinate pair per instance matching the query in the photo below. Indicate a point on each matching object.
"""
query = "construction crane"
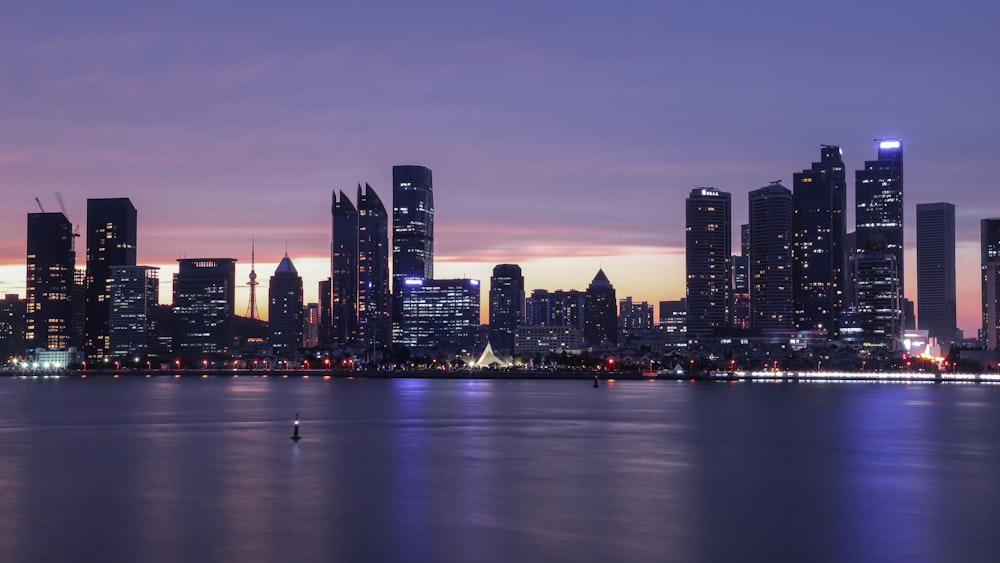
(62, 206)
(39, 202)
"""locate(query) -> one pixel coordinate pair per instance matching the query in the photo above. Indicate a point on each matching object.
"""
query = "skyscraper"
(204, 307)
(936, 271)
(819, 229)
(771, 260)
(506, 306)
(634, 318)
(344, 271)
(879, 210)
(284, 309)
(600, 311)
(135, 295)
(324, 332)
(49, 282)
(708, 255)
(990, 259)
(374, 297)
(111, 238)
(412, 223)
(879, 308)
(12, 313)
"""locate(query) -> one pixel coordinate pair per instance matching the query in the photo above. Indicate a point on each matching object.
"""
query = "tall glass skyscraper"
(771, 260)
(438, 315)
(708, 255)
(412, 223)
(819, 227)
(51, 261)
(600, 311)
(135, 295)
(936, 271)
(344, 271)
(374, 297)
(111, 239)
(879, 214)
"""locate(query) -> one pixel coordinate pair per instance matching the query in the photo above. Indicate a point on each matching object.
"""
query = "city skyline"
(561, 140)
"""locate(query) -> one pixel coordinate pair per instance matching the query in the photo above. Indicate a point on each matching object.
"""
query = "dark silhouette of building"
(673, 321)
(506, 306)
(284, 309)
(556, 308)
(771, 260)
(819, 228)
(51, 263)
(12, 312)
(344, 271)
(708, 255)
(990, 260)
(412, 223)
(600, 315)
(879, 211)
(135, 295)
(111, 239)
(438, 315)
(325, 329)
(204, 307)
(936, 271)
(374, 297)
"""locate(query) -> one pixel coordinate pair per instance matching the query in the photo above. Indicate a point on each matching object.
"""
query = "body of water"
(165, 469)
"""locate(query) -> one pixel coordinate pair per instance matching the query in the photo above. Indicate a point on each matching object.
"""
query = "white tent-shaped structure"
(489, 359)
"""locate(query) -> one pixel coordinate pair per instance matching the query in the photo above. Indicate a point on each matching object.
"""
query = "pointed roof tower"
(286, 267)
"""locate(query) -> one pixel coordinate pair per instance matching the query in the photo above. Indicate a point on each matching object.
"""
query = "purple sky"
(563, 136)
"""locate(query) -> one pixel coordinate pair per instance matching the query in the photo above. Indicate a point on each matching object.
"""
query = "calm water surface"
(456, 470)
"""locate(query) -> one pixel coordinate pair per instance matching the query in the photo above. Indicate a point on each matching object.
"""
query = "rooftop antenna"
(252, 307)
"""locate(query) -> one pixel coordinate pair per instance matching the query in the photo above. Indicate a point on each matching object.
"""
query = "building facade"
(936, 297)
(819, 227)
(132, 326)
(344, 271)
(374, 296)
(634, 318)
(50, 282)
(412, 223)
(506, 306)
(990, 261)
(708, 255)
(204, 307)
(284, 309)
(12, 312)
(438, 315)
(600, 313)
(879, 212)
(771, 311)
(878, 309)
(111, 240)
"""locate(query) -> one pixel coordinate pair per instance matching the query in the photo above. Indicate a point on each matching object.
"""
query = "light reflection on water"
(467, 470)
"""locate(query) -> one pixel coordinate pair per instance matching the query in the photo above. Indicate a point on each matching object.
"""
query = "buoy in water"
(295, 432)
(596, 385)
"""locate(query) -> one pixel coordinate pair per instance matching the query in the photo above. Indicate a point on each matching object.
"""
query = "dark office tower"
(51, 262)
(135, 296)
(879, 203)
(745, 240)
(850, 251)
(412, 223)
(12, 312)
(990, 254)
(878, 309)
(111, 236)
(324, 333)
(936, 271)
(284, 309)
(204, 307)
(506, 306)
(600, 313)
(771, 260)
(708, 255)
(438, 315)
(344, 271)
(673, 321)
(819, 227)
(374, 298)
